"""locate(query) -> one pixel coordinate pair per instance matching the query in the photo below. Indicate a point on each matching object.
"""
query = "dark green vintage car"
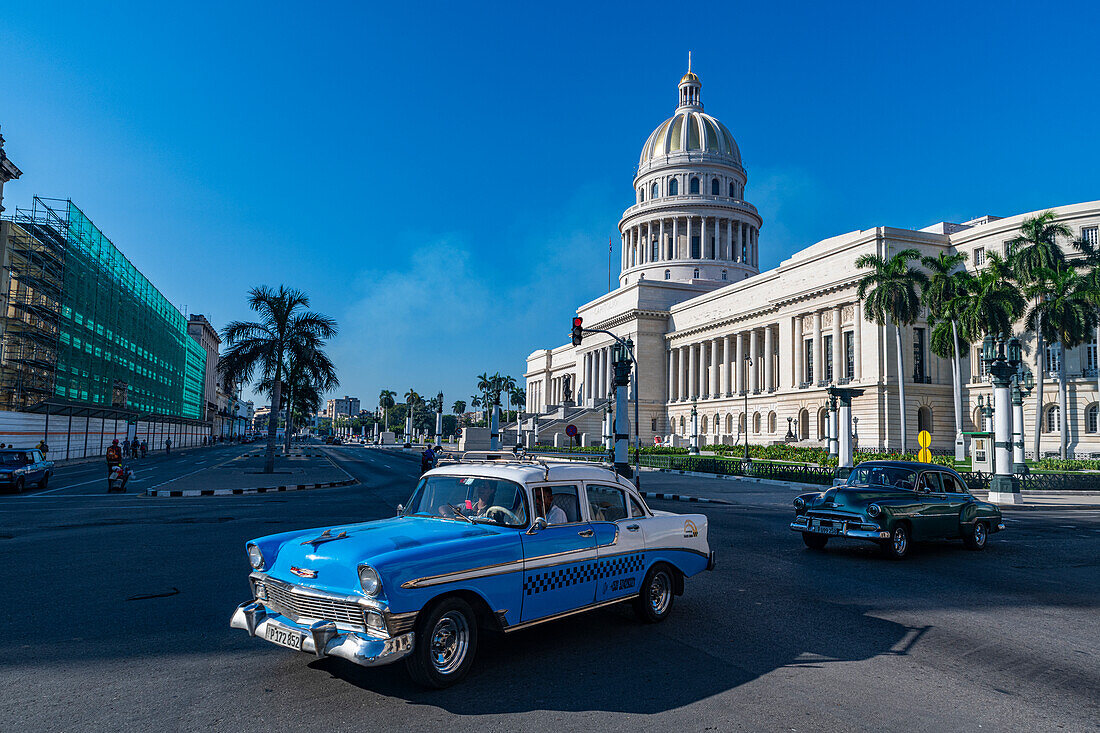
(895, 503)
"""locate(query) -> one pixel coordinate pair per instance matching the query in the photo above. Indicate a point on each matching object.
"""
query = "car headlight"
(873, 510)
(255, 557)
(369, 580)
(799, 503)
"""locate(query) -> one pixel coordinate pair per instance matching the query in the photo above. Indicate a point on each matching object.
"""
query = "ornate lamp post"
(439, 417)
(748, 366)
(694, 447)
(789, 437)
(843, 396)
(1004, 487)
(1021, 390)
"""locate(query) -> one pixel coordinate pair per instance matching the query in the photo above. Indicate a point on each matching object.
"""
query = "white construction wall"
(80, 437)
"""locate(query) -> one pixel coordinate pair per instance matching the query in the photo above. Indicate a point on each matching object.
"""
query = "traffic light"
(577, 331)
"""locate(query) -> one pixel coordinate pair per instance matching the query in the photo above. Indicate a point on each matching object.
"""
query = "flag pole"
(609, 249)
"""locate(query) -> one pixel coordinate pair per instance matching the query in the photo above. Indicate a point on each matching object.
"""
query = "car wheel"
(975, 537)
(897, 546)
(654, 602)
(45, 481)
(445, 644)
(815, 541)
(19, 485)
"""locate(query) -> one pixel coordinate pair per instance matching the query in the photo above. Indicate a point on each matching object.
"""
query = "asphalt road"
(116, 614)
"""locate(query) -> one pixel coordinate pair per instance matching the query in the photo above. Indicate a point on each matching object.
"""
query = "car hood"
(334, 557)
(857, 497)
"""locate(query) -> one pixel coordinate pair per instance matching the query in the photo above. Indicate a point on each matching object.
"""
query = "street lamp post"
(748, 366)
(844, 430)
(1020, 392)
(622, 362)
(1004, 487)
(439, 418)
(833, 428)
(694, 448)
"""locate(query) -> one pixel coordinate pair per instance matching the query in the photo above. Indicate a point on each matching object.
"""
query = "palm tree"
(412, 400)
(1065, 313)
(1037, 248)
(889, 293)
(485, 387)
(386, 401)
(458, 408)
(993, 303)
(475, 401)
(307, 368)
(265, 345)
(941, 297)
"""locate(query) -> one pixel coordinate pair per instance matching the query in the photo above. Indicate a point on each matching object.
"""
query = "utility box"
(981, 451)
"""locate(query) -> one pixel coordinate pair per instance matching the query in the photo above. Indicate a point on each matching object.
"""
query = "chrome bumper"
(323, 638)
(802, 524)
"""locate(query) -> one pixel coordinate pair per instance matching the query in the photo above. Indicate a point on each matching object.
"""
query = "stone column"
(739, 365)
(769, 360)
(693, 373)
(754, 356)
(715, 371)
(703, 386)
(587, 369)
(856, 345)
(671, 374)
(727, 357)
(682, 372)
(661, 254)
(818, 373)
(737, 241)
(799, 371)
(676, 238)
(838, 346)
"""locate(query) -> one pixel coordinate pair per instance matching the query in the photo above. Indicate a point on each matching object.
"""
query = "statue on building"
(567, 389)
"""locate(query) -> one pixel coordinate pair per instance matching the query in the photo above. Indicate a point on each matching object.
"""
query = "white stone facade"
(691, 297)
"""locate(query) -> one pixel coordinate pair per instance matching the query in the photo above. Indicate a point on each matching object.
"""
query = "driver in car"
(485, 493)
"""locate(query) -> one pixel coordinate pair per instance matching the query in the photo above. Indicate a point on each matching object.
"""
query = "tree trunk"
(958, 381)
(901, 386)
(272, 426)
(289, 415)
(1063, 417)
(1040, 359)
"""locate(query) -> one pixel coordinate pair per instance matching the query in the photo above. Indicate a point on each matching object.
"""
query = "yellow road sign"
(924, 455)
(924, 438)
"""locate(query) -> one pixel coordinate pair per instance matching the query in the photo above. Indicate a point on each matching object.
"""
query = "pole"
(694, 446)
(748, 362)
(1019, 466)
(1004, 487)
(622, 401)
(832, 429)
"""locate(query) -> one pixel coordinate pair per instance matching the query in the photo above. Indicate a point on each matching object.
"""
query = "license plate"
(284, 637)
(827, 530)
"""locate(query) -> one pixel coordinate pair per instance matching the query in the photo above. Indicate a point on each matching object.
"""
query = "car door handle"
(585, 533)
(632, 527)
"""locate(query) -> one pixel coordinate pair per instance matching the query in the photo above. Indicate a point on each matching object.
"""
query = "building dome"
(690, 76)
(689, 131)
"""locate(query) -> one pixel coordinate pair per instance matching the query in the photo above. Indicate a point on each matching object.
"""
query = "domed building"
(714, 334)
(690, 220)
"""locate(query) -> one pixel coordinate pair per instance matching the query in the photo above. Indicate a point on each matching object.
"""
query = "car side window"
(930, 481)
(558, 504)
(952, 485)
(606, 503)
(38, 456)
(636, 508)
(30, 458)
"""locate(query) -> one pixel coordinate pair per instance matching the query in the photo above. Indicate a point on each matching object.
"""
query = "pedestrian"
(114, 455)
(126, 447)
(2, 446)
(427, 460)
(144, 448)
(43, 448)
(167, 446)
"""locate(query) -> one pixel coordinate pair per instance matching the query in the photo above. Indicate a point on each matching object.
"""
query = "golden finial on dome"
(690, 76)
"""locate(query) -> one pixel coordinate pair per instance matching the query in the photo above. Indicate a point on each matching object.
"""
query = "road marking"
(192, 473)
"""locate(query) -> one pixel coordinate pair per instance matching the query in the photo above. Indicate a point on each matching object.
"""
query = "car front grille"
(298, 604)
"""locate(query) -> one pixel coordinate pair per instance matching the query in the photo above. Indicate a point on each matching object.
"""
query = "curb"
(682, 497)
(281, 455)
(177, 493)
(748, 479)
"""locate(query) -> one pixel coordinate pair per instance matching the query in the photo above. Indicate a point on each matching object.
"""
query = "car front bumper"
(323, 638)
(854, 530)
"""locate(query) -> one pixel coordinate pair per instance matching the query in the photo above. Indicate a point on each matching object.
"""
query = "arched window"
(756, 423)
(1053, 421)
(733, 191)
(668, 274)
(1092, 418)
(729, 423)
(979, 422)
(694, 186)
(822, 424)
(696, 273)
(741, 422)
(715, 187)
(653, 192)
(674, 187)
(804, 424)
(924, 419)
(772, 420)
(641, 195)
(703, 425)
(725, 275)
(681, 424)
(656, 248)
(717, 423)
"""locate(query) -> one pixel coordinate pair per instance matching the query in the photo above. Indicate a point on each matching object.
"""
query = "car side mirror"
(539, 523)
(400, 510)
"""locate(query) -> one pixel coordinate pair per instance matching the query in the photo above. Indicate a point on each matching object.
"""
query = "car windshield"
(470, 498)
(12, 459)
(893, 476)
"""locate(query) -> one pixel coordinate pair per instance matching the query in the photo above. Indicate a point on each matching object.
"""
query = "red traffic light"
(577, 321)
(578, 332)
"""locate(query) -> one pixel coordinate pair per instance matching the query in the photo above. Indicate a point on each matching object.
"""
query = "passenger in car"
(547, 509)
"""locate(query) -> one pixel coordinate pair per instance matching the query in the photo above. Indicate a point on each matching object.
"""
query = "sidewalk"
(244, 475)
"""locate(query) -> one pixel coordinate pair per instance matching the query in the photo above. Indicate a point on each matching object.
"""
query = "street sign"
(924, 439)
(656, 440)
(571, 430)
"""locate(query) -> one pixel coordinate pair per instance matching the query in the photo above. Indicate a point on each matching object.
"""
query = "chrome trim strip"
(563, 614)
(480, 572)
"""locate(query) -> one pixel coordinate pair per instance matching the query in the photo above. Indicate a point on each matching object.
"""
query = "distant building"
(207, 337)
(347, 406)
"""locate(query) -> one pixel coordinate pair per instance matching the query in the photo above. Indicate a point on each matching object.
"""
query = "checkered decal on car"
(561, 577)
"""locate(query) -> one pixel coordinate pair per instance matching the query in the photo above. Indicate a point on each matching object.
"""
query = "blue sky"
(443, 178)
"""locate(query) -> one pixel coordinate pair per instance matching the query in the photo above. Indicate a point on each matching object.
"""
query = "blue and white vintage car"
(485, 544)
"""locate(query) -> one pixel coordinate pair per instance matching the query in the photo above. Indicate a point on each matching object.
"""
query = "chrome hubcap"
(449, 641)
(900, 540)
(979, 533)
(660, 592)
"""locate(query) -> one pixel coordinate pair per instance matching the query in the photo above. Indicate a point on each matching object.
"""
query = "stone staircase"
(589, 422)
